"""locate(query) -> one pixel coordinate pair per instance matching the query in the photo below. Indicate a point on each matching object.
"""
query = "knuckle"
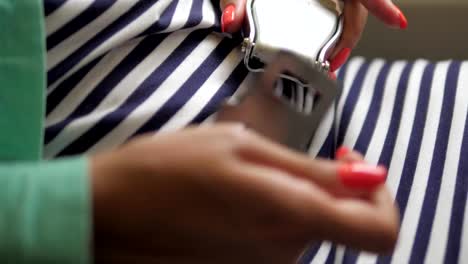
(236, 135)
(225, 141)
(388, 244)
(387, 226)
(388, 236)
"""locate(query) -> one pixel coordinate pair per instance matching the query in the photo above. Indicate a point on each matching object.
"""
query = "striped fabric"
(119, 68)
(411, 117)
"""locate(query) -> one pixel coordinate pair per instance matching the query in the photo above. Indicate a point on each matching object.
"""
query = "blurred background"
(438, 29)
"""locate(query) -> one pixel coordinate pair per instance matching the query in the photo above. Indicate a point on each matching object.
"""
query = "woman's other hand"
(223, 194)
(355, 18)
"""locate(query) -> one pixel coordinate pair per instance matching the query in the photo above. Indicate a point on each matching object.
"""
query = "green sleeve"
(22, 79)
(44, 206)
(45, 212)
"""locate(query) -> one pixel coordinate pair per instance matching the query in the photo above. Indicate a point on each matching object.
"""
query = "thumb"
(233, 13)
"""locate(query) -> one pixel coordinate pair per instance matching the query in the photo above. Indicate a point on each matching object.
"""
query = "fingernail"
(341, 152)
(332, 76)
(402, 19)
(229, 14)
(339, 59)
(361, 176)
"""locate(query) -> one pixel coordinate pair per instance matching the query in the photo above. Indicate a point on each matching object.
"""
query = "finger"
(306, 209)
(275, 201)
(370, 226)
(386, 11)
(345, 154)
(277, 188)
(355, 18)
(233, 13)
(325, 173)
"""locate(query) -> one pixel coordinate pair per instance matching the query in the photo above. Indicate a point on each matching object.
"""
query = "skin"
(223, 194)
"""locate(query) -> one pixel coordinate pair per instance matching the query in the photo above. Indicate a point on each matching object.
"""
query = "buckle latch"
(265, 112)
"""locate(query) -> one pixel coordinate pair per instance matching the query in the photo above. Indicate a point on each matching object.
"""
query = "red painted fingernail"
(229, 14)
(340, 59)
(341, 152)
(362, 176)
(403, 22)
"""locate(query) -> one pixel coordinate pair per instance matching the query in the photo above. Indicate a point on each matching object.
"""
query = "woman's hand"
(223, 194)
(355, 17)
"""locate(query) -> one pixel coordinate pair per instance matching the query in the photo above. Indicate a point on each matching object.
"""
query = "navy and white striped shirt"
(118, 68)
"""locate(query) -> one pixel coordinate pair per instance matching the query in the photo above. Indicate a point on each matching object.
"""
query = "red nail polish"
(341, 152)
(361, 176)
(332, 76)
(229, 14)
(340, 59)
(403, 21)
